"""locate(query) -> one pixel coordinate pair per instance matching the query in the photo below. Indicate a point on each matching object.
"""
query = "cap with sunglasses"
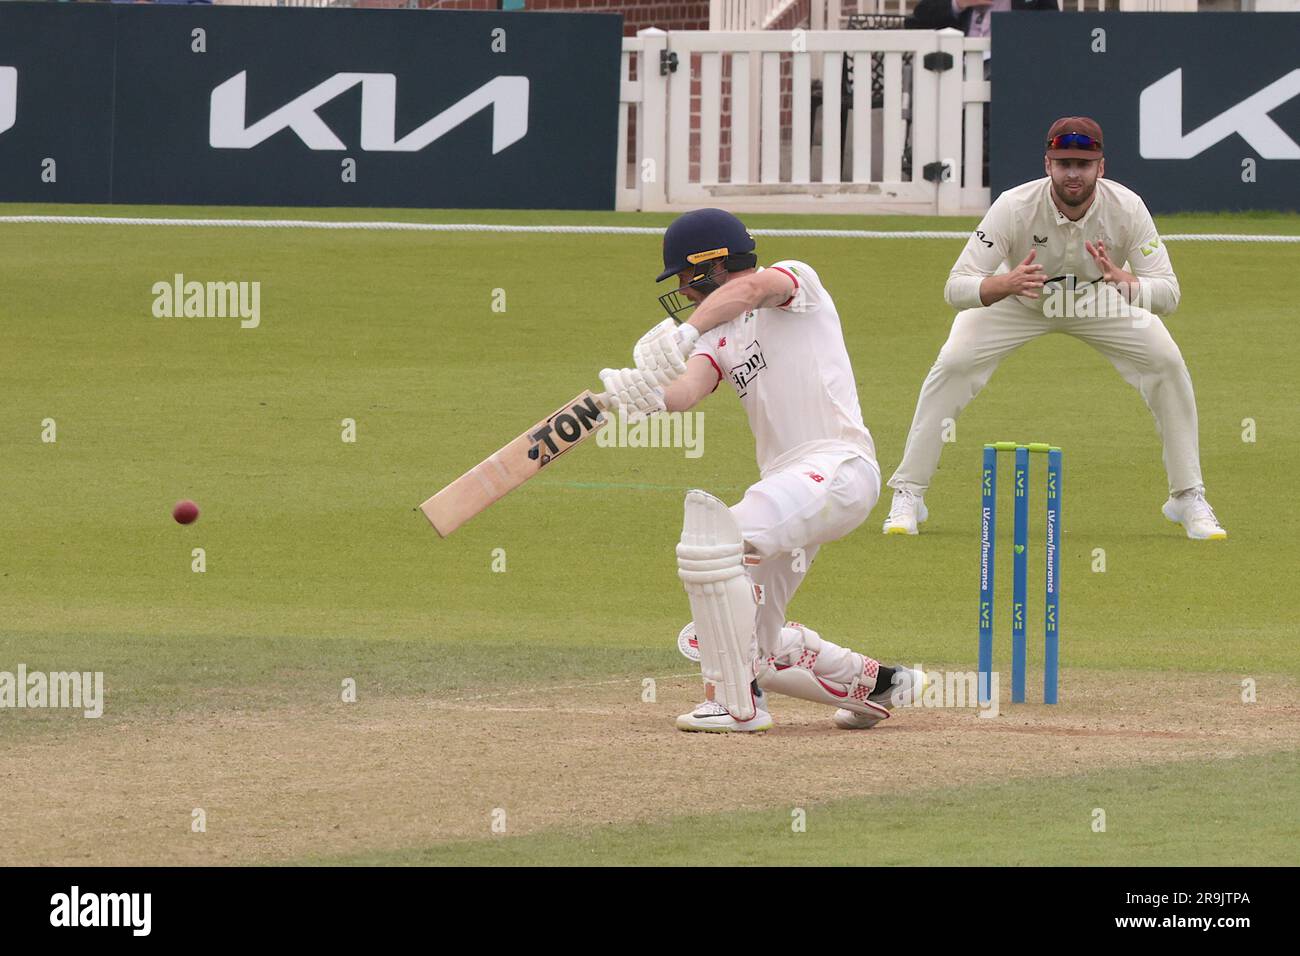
(1074, 137)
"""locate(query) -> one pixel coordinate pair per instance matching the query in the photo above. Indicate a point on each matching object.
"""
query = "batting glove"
(632, 392)
(662, 352)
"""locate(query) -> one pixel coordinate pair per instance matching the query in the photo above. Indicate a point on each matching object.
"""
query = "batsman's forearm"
(700, 379)
(733, 299)
(679, 396)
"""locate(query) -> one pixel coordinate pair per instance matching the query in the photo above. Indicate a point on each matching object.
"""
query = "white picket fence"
(679, 147)
(830, 14)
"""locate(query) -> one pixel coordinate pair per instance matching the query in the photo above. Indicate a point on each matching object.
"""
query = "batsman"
(774, 334)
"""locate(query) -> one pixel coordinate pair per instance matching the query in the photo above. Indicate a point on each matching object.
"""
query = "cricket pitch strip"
(279, 784)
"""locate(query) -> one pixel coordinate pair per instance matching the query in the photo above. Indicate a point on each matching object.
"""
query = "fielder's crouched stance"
(1047, 259)
(777, 335)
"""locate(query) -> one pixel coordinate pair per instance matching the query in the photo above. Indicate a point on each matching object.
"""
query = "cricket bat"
(506, 469)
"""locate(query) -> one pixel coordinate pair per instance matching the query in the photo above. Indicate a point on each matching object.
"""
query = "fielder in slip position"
(774, 335)
(1062, 241)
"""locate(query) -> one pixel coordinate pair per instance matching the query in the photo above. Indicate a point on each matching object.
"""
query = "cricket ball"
(185, 512)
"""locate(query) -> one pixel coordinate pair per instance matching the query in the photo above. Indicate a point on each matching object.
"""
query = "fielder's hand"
(662, 352)
(1126, 282)
(1025, 279)
(632, 392)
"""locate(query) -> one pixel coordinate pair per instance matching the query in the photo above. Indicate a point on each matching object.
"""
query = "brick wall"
(637, 14)
(798, 16)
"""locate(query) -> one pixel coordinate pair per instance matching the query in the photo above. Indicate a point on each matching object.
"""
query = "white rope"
(560, 229)
(325, 224)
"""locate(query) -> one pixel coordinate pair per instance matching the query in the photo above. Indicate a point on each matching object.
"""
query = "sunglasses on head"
(1074, 141)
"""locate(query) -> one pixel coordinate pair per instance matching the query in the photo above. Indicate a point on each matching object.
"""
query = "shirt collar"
(1061, 218)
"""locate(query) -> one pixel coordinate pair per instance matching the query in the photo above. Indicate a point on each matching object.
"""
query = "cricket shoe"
(905, 513)
(1193, 512)
(905, 691)
(711, 717)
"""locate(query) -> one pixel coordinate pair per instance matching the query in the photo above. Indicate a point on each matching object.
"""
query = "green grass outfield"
(317, 566)
(1236, 812)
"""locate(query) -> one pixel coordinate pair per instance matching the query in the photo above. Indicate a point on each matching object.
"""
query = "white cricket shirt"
(791, 370)
(1025, 218)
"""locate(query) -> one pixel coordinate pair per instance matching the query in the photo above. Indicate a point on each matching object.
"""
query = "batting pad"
(805, 685)
(710, 562)
(802, 671)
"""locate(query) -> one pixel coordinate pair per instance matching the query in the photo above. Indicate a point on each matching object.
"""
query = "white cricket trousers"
(784, 519)
(1135, 340)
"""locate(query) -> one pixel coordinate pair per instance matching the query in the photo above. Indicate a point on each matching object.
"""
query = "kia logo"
(505, 96)
(8, 97)
(1160, 134)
